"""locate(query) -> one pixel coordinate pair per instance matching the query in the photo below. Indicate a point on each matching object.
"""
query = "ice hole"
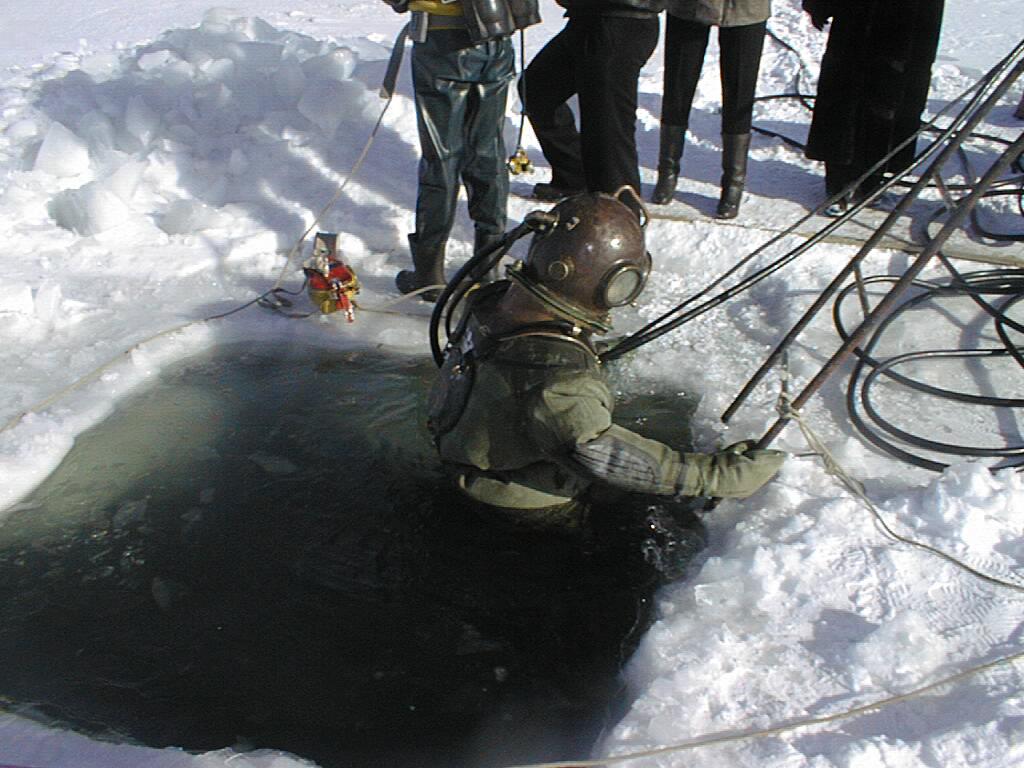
(260, 551)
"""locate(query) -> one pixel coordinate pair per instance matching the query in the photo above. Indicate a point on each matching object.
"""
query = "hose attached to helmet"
(472, 272)
(571, 311)
(566, 309)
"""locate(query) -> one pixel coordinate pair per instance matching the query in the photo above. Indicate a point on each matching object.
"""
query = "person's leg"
(545, 88)
(440, 108)
(484, 171)
(918, 29)
(839, 177)
(685, 46)
(612, 53)
(739, 64)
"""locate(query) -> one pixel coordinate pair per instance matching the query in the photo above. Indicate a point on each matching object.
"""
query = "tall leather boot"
(671, 140)
(735, 147)
(428, 269)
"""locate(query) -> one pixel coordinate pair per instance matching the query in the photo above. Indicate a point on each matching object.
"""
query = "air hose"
(901, 442)
(471, 274)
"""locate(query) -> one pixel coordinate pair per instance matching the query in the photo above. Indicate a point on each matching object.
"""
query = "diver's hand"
(734, 472)
(398, 6)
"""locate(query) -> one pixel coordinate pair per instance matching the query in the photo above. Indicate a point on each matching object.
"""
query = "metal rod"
(956, 219)
(854, 263)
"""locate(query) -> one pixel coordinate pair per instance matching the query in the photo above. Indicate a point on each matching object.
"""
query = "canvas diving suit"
(523, 422)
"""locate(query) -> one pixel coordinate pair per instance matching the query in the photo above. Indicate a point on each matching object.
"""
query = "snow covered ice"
(161, 170)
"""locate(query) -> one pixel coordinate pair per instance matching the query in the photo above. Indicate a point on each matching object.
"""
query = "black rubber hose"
(898, 441)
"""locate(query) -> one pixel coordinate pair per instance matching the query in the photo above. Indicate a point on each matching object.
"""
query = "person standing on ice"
(520, 411)
(872, 89)
(597, 57)
(741, 28)
(462, 63)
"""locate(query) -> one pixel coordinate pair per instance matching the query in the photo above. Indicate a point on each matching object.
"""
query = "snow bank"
(39, 746)
(170, 183)
(806, 609)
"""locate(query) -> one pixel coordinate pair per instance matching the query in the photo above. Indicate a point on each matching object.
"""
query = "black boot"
(671, 140)
(483, 241)
(734, 173)
(428, 269)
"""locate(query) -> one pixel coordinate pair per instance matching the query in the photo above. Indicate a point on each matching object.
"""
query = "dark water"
(259, 552)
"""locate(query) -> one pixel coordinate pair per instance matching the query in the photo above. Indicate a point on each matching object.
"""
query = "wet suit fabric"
(460, 90)
(532, 431)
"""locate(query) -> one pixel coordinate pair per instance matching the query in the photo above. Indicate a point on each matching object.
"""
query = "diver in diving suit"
(521, 413)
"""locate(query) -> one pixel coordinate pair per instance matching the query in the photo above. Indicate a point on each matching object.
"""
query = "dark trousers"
(839, 176)
(461, 91)
(598, 59)
(685, 45)
(872, 89)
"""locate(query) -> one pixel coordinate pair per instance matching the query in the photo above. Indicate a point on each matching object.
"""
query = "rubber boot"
(482, 241)
(428, 269)
(671, 141)
(735, 147)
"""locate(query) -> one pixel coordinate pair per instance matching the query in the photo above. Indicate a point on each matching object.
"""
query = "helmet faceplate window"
(622, 285)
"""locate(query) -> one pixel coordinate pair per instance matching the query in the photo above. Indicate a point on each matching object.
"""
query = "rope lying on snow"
(727, 737)
(854, 486)
(732, 737)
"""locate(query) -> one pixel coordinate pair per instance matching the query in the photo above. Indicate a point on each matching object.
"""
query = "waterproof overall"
(460, 91)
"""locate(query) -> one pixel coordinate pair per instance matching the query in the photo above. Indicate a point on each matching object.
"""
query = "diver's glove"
(733, 473)
(398, 6)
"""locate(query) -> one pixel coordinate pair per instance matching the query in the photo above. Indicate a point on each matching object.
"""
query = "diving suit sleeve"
(626, 460)
(570, 422)
(734, 473)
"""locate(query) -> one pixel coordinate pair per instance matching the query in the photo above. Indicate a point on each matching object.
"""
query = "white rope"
(92, 375)
(384, 308)
(727, 737)
(834, 468)
(337, 194)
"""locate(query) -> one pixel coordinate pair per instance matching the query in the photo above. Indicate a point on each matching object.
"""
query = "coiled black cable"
(901, 441)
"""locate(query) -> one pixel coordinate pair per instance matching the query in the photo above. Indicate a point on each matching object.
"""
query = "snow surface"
(158, 164)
